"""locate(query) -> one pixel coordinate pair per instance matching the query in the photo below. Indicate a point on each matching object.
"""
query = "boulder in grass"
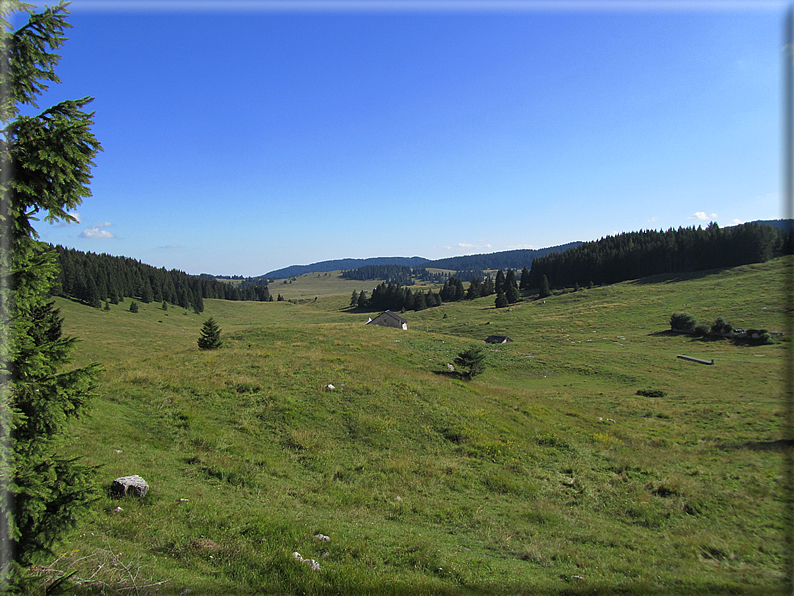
(130, 486)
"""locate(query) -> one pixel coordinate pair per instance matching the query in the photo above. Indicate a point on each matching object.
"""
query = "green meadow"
(547, 474)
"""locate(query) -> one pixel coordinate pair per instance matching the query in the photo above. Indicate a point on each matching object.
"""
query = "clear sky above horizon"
(240, 138)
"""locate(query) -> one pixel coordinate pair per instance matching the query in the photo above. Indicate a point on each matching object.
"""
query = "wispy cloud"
(65, 222)
(97, 232)
(468, 246)
(735, 222)
(522, 246)
(653, 219)
(702, 216)
(170, 246)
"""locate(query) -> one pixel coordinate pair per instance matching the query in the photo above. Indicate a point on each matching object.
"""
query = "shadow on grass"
(671, 278)
(777, 445)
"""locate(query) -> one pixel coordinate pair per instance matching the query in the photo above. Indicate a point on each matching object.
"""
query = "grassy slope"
(310, 285)
(425, 483)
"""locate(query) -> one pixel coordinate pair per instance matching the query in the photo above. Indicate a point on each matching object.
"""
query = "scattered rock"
(314, 564)
(130, 486)
(329, 387)
(450, 367)
(599, 418)
(323, 537)
(204, 545)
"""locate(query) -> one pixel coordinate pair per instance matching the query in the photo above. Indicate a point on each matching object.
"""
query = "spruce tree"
(354, 299)
(524, 283)
(501, 300)
(473, 359)
(545, 289)
(46, 168)
(210, 338)
(511, 294)
(499, 286)
(510, 279)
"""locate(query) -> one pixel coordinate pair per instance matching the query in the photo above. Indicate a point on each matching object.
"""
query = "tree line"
(95, 278)
(393, 274)
(394, 297)
(634, 255)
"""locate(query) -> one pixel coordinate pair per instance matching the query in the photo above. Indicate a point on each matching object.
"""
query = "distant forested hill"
(510, 259)
(339, 264)
(95, 278)
(781, 224)
(640, 254)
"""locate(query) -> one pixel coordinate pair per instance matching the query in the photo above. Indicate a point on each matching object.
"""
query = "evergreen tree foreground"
(472, 359)
(46, 167)
(210, 338)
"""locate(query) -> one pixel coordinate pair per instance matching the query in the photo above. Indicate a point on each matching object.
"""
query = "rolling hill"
(548, 474)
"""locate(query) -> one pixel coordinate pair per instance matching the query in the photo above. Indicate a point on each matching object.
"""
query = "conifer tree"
(511, 294)
(210, 338)
(46, 167)
(524, 283)
(545, 289)
(499, 286)
(510, 279)
(501, 300)
(473, 359)
(354, 299)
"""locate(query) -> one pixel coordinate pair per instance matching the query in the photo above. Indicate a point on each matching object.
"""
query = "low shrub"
(701, 330)
(651, 393)
(721, 327)
(683, 322)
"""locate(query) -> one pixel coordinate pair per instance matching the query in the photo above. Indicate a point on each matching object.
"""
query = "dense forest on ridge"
(93, 278)
(634, 255)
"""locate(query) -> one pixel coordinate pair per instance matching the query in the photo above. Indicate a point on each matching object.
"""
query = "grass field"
(518, 482)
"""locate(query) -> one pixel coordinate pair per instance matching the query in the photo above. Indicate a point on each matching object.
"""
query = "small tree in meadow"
(472, 359)
(682, 321)
(210, 338)
(721, 327)
(133, 306)
(545, 287)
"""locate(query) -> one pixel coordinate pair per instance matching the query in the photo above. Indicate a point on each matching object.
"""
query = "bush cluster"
(687, 323)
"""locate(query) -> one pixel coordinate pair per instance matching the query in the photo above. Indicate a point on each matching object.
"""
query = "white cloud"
(97, 233)
(703, 216)
(653, 219)
(522, 246)
(168, 246)
(735, 222)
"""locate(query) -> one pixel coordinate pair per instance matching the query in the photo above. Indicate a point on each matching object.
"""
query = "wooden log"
(698, 360)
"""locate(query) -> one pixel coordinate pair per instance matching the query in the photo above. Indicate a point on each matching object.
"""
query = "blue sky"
(242, 137)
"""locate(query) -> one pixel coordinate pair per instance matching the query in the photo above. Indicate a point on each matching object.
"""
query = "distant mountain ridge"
(339, 264)
(508, 259)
